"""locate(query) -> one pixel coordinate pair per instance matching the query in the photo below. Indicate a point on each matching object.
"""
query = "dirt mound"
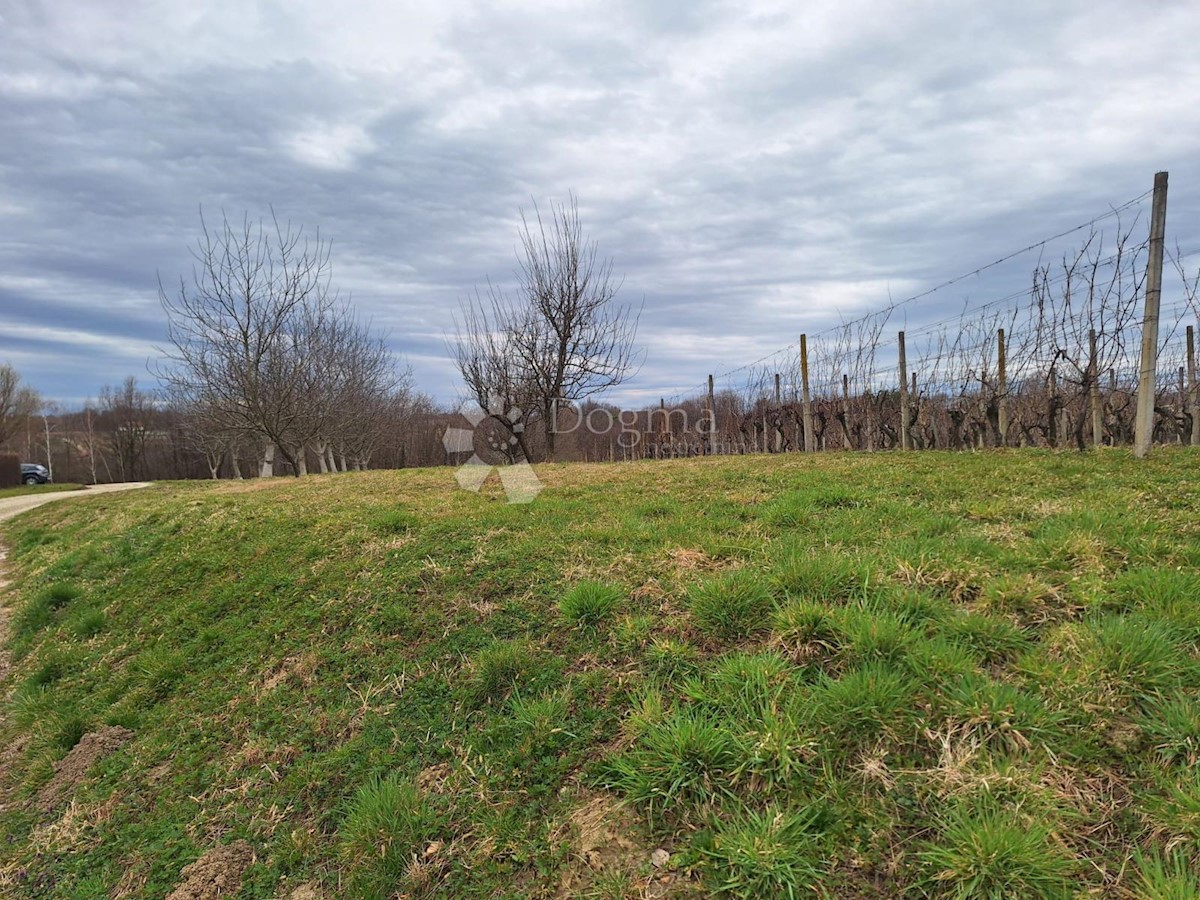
(70, 771)
(218, 873)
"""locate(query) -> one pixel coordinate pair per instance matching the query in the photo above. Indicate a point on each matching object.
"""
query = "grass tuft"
(590, 604)
(1170, 878)
(993, 856)
(682, 763)
(388, 823)
(732, 607)
(773, 853)
(496, 670)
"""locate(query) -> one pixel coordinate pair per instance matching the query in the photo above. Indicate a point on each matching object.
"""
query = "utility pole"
(1144, 432)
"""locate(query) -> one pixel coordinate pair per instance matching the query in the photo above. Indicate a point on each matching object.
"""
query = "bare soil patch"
(218, 873)
(72, 769)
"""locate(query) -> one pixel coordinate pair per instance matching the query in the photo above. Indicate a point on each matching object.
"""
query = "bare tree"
(561, 337)
(129, 412)
(235, 331)
(17, 403)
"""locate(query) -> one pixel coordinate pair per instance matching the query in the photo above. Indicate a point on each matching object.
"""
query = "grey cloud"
(752, 171)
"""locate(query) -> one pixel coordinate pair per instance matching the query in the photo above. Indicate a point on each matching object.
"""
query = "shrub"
(590, 604)
(732, 607)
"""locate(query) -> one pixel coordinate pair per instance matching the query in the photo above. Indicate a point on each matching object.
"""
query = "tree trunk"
(267, 467)
(319, 450)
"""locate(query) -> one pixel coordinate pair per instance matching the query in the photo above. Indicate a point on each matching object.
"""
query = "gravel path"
(13, 506)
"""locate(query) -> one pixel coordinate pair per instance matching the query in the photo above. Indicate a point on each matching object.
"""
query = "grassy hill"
(968, 675)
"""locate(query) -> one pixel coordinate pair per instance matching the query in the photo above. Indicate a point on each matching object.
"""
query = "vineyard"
(1054, 363)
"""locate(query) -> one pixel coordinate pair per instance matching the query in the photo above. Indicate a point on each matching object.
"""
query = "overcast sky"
(755, 169)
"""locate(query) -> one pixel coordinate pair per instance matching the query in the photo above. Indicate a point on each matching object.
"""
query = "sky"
(753, 169)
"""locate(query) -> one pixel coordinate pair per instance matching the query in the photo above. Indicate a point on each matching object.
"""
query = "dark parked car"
(32, 473)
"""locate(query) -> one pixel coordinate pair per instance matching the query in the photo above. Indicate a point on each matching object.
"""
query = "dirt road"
(13, 506)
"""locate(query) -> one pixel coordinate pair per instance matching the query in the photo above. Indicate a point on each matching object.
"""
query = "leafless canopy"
(560, 336)
(263, 351)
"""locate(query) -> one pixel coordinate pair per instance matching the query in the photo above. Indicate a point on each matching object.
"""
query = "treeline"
(129, 433)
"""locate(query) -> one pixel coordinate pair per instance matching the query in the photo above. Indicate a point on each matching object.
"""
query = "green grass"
(924, 675)
(590, 604)
(25, 489)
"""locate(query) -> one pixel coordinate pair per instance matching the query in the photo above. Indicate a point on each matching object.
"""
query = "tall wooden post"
(806, 397)
(1193, 389)
(1094, 391)
(779, 415)
(905, 438)
(1002, 386)
(1182, 403)
(916, 401)
(1052, 424)
(846, 411)
(712, 418)
(1148, 369)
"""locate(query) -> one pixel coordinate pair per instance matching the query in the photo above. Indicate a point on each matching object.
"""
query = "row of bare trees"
(267, 360)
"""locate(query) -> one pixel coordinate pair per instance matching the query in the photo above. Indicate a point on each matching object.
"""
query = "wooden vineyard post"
(1002, 385)
(1094, 391)
(905, 438)
(779, 413)
(1193, 392)
(1182, 403)
(806, 397)
(712, 419)
(1148, 368)
(846, 410)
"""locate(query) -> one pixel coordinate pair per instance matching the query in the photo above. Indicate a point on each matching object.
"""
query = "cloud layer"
(754, 170)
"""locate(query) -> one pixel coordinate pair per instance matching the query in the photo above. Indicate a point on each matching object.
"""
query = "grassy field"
(969, 675)
(26, 489)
